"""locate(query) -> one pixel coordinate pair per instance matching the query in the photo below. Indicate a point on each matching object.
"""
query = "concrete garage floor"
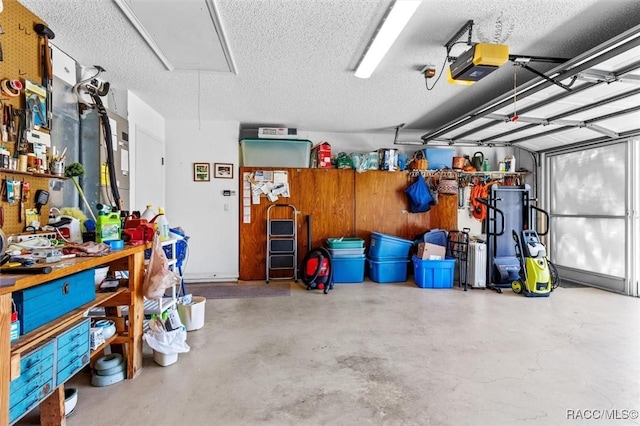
(391, 354)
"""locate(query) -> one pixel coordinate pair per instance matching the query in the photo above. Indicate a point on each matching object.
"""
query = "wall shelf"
(455, 174)
(35, 174)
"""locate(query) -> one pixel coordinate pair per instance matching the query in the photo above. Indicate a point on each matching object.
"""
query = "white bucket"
(164, 359)
(192, 315)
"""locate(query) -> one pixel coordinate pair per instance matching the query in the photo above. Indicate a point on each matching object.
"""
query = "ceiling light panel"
(185, 34)
(391, 27)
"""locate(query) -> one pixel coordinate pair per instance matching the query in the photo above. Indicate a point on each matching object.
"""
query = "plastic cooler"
(388, 270)
(385, 246)
(433, 273)
(348, 269)
(345, 243)
(346, 252)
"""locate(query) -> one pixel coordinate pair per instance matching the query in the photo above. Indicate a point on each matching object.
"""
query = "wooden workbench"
(127, 340)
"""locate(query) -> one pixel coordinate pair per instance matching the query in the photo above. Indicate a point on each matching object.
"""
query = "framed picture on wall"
(201, 172)
(223, 170)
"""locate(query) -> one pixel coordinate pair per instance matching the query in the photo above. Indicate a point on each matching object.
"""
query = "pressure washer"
(535, 276)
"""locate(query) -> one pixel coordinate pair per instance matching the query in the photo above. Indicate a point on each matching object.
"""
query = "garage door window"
(587, 204)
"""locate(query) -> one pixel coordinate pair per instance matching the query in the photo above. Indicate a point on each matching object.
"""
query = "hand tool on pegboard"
(20, 201)
(47, 69)
(25, 196)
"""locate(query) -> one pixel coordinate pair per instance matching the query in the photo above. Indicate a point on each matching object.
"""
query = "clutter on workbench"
(137, 230)
(161, 224)
(149, 213)
(108, 228)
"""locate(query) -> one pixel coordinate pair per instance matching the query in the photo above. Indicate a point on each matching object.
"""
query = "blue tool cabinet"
(47, 367)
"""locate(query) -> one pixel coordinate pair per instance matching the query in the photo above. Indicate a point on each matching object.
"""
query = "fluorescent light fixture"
(397, 18)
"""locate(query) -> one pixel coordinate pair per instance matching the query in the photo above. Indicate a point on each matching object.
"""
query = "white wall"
(144, 118)
(210, 219)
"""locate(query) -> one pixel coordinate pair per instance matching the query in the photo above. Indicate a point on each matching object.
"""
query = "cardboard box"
(428, 251)
(321, 156)
(278, 132)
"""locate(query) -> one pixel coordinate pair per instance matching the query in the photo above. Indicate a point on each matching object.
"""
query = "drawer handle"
(65, 288)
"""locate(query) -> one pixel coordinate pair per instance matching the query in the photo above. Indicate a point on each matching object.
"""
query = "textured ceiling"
(295, 58)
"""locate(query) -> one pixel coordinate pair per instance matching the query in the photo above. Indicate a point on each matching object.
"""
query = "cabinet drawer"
(71, 352)
(34, 357)
(34, 376)
(75, 333)
(44, 303)
(32, 365)
(30, 401)
(72, 368)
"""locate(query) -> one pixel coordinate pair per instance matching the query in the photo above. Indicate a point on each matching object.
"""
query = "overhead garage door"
(593, 209)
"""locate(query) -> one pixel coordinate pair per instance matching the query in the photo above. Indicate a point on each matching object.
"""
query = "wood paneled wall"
(342, 203)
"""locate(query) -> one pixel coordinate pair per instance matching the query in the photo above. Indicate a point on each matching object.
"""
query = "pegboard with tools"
(19, 206)
(25, 96)
(25, 82)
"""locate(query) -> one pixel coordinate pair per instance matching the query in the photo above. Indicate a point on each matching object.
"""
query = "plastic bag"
(168, 342)
(158, 276)
(419, 197)
(344, 161)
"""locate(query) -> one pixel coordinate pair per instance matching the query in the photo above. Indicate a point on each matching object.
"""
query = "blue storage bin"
(383, 245)
(439, 158)
(388, 270)
(433, 273)
(348, 269)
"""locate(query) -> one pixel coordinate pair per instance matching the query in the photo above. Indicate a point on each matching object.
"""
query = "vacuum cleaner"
(535, 278)
(316, 269)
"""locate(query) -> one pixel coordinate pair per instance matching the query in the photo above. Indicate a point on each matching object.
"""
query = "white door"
(149, 170)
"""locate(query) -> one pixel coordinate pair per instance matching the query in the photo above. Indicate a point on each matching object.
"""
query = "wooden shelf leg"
(136, 314)
(52, 409)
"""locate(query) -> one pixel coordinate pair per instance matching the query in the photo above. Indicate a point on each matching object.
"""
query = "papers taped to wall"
(271, 184)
